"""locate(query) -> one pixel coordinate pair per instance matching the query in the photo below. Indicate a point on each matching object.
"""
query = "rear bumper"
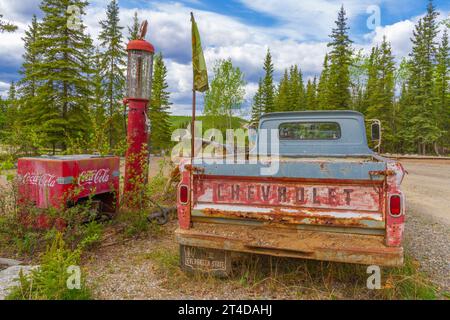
(283, 242)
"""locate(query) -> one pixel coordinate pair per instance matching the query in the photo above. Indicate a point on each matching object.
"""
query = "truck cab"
(327, 197)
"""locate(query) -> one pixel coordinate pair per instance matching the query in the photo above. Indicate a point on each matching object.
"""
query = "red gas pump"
(139, 83)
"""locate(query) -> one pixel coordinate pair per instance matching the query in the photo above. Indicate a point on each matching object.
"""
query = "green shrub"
(49, 281)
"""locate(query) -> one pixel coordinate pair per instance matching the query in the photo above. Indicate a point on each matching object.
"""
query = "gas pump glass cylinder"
(140, 65)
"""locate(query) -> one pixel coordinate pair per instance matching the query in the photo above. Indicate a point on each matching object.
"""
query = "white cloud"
(18, 11)
(398, 34)
(181, 109)
(303, 20)
(11, 48)
(4, 88)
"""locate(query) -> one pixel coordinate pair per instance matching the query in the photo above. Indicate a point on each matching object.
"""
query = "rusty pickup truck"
(329, 197)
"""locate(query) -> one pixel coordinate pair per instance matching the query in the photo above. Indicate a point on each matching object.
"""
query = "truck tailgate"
(333, 198)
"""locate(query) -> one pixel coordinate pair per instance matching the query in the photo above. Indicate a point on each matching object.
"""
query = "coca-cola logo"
(93, 176)
(43, 180)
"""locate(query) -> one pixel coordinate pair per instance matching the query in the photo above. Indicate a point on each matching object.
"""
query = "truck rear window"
(309, 131)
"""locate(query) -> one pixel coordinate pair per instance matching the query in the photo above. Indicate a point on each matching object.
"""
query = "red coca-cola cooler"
(63, 181)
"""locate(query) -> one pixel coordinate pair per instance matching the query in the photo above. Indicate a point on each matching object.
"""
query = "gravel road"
(427, 237)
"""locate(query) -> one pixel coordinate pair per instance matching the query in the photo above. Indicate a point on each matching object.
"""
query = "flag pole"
(193, 107)
(193, 125)
(191, 174)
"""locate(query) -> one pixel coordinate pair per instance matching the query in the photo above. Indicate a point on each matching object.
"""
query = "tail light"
(183, 194)
(395, 205)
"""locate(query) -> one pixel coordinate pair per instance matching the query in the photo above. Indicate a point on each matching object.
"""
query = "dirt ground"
(427, 188)
(427, 235)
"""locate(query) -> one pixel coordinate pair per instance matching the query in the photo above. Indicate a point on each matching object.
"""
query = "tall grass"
(49, 280)
(284, 278)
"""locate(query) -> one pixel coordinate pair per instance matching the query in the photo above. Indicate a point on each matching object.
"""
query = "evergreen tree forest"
(410, 98)
(70, 95)
(69, 98)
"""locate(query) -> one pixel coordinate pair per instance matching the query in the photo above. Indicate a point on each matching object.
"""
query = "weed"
(305, 279)
(166, 260)
(408, 282)
(134, 222)
(167, 264)
(21, 233)
(49, 281)
(92, 236)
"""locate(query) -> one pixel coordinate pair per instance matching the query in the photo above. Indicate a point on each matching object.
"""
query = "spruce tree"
(11, 114)
(358, 78)
(61, 108)
(2, 119)
(322, 88)
(282, 97)
(423, 126)
(381, 90)
(301, 100)
(29, 82)
(159, 107)
(372, 78)
(100, 141)
(268, 88)
(311, 95)
(113, 71)
(340, 61)
(257, 106)
(133, 30)
(27, 126)
(296, 96)
(442, 89)
(6, 26)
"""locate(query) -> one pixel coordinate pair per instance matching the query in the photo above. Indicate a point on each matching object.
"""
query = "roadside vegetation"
(57, 238)
(281, 278)
(49, 281)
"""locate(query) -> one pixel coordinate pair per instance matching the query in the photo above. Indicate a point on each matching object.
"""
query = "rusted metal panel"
(338, 247)
(283, 194)
(286, 201)
(297, 217)
(395, 226)
(373, 230)
(184, 208)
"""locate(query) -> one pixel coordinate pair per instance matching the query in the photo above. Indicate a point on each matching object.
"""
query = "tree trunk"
(436, 148)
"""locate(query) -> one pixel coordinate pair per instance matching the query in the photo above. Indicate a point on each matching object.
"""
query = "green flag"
(198, 60)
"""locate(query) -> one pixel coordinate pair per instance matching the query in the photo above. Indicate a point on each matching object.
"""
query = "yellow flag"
(198, 60)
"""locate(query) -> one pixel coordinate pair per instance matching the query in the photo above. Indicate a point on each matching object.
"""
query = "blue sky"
(296, 31)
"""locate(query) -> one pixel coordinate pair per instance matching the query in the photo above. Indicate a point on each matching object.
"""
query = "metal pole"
(193, 126)
(192, 145)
